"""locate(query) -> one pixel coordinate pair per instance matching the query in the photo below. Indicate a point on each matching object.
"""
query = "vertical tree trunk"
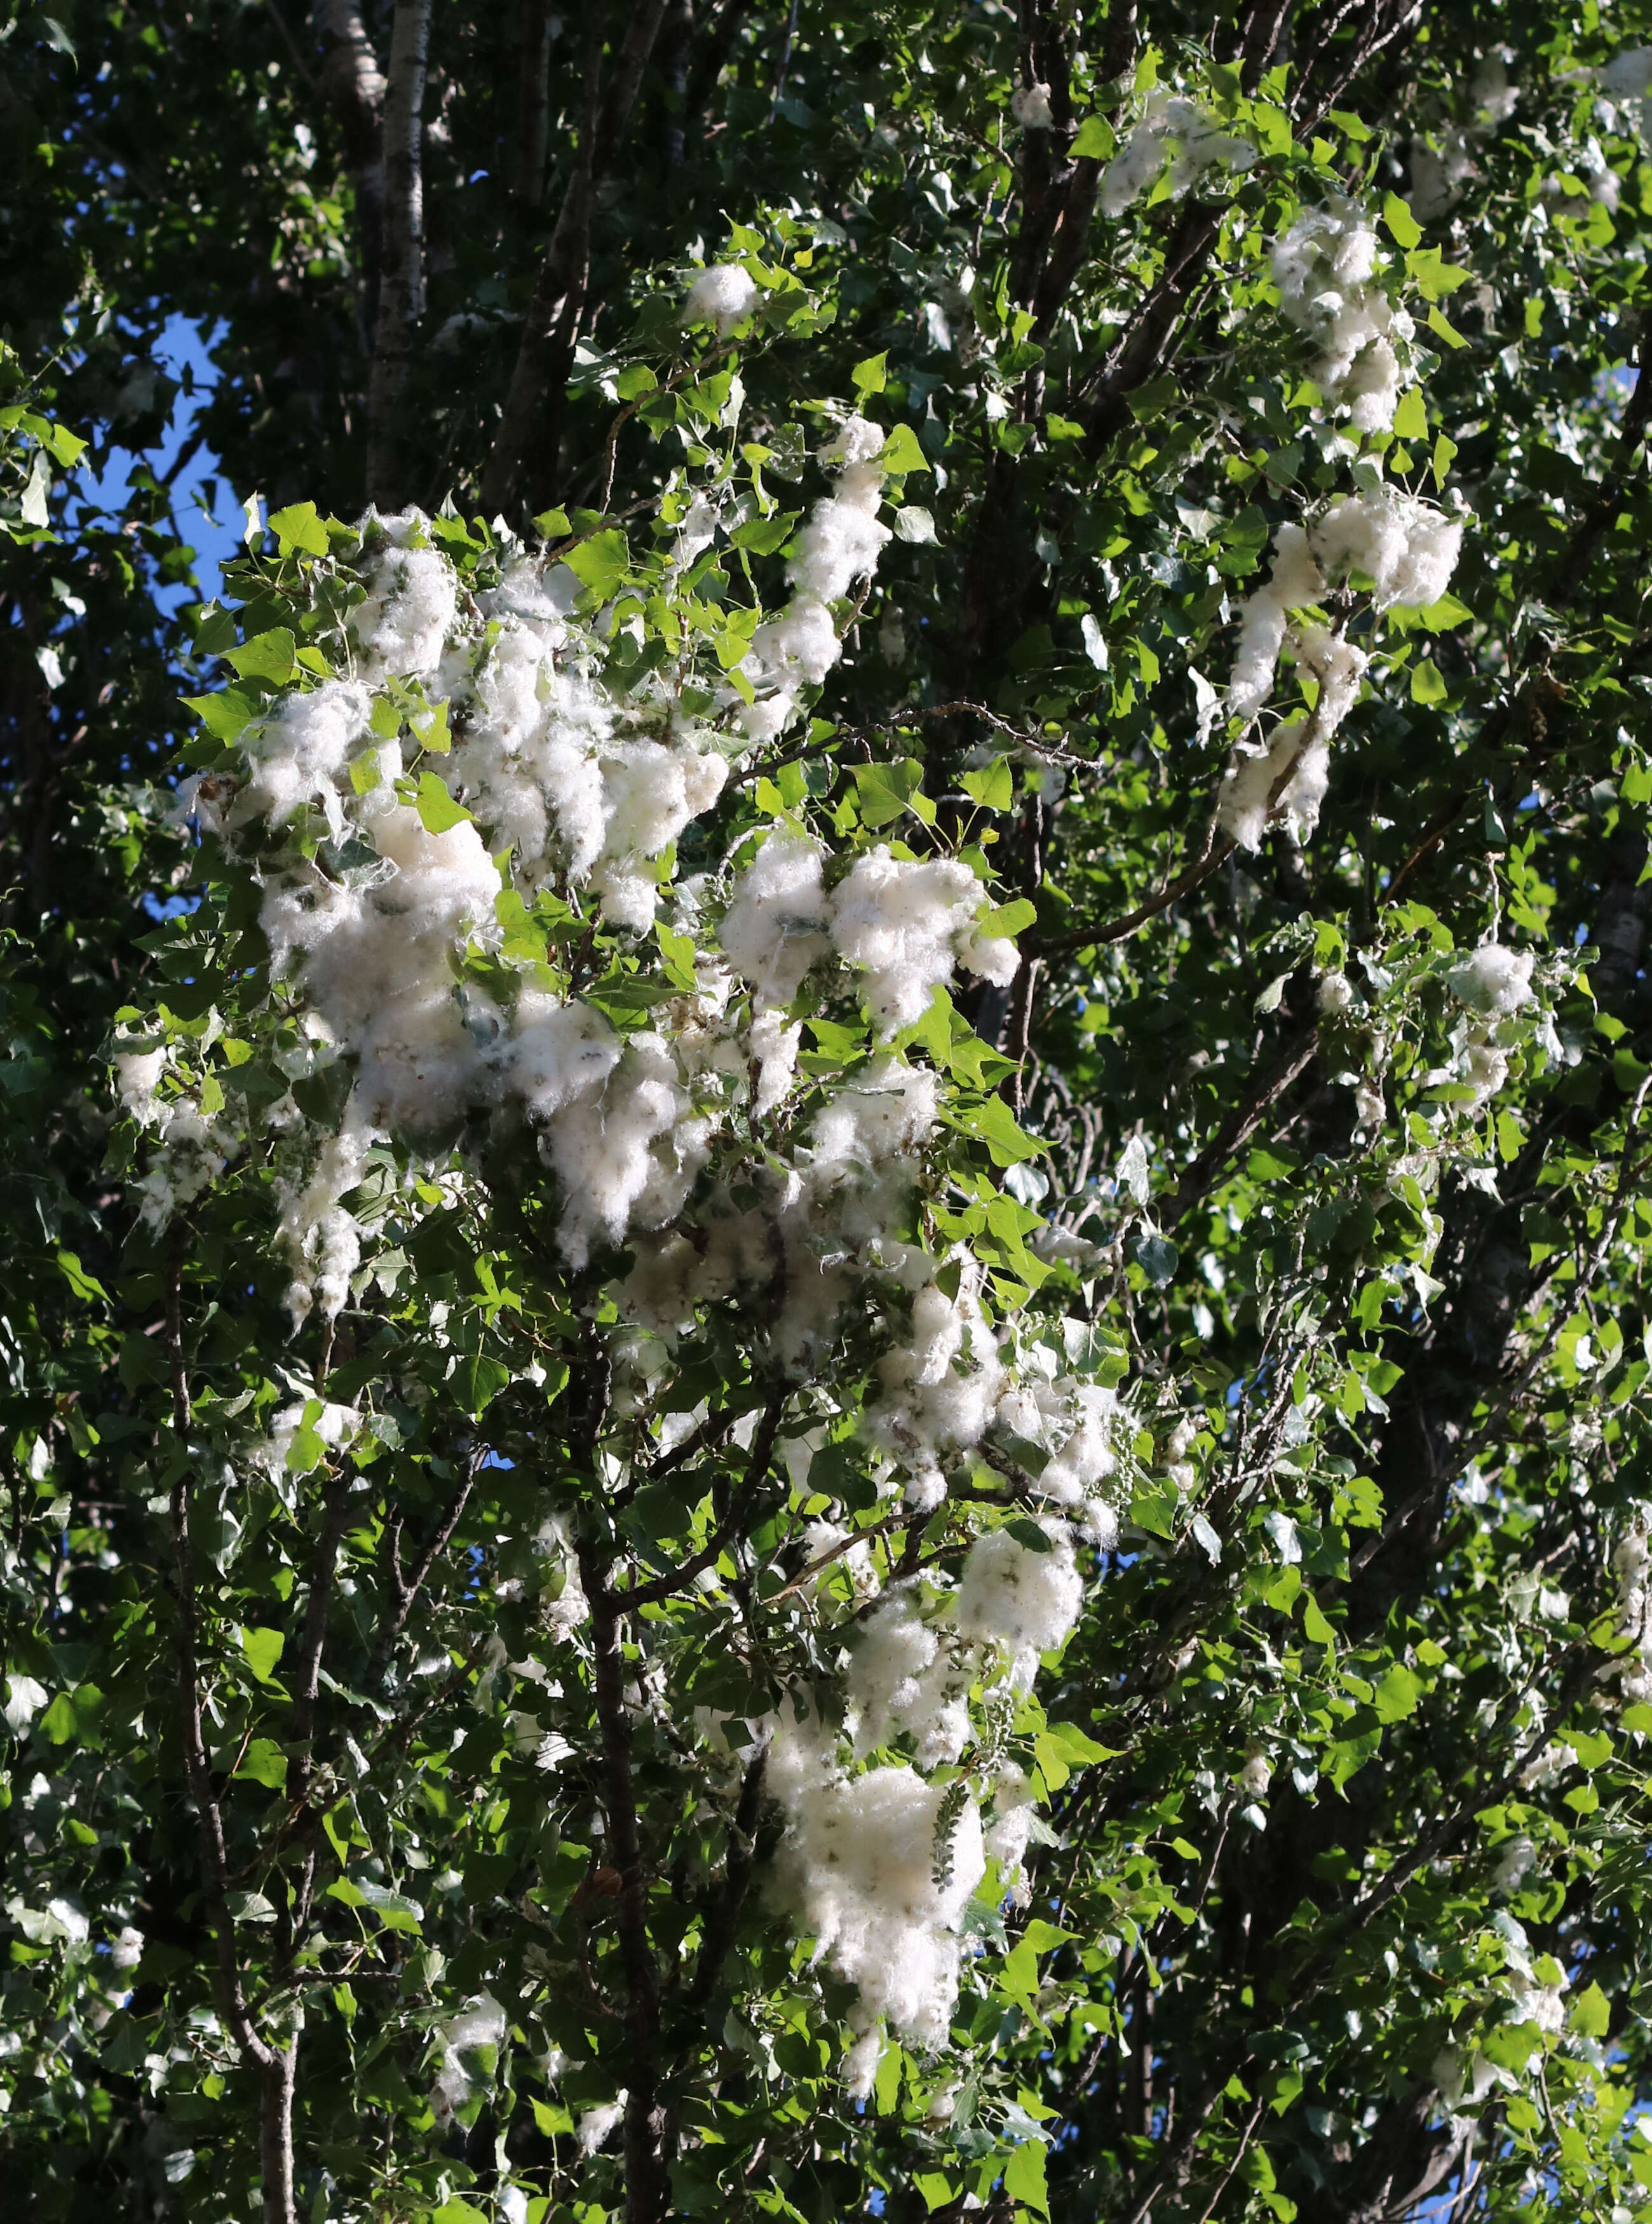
(547, 348)
(275, 2134)
(402, 285)
(354, 86)
(534, 103)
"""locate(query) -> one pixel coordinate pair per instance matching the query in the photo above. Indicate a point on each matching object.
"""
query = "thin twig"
(757, 1468)
(409, 1591)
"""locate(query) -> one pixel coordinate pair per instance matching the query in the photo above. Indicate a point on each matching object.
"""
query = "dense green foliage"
(391, 1828)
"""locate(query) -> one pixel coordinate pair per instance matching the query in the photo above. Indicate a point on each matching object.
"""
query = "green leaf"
(83, 1284)
(884, 791)
(226, 715)
(1402, 226)
(300, 527)
(871, 375)
(1097, 142)
(1426, 685)
(1315, 1628)
(992, 1121)
(993, 788)
(1024, 2177)
(1590, 2014)
(272, 656)
(599, 563)
(479, 1381)
(1438, 325)
(263, 1649)
(1398, 1695)
(264, 1762)
(1411, 415)
(438, 811)
(1434, 278)
(901, 452)
(1011, 917)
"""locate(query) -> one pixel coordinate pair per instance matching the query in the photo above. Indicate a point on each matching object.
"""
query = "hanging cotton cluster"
(1408, 549)
(877, 1866)
(1030, 106)
(839, 545)
(722, 295)
(1324, 268)
(1632, 1563)
(1176, 132)
(1441, 167)
(506, 769)
(191, 1149)
(1492, 984)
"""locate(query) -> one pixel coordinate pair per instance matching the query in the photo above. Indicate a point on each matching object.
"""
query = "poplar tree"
(825, 1140)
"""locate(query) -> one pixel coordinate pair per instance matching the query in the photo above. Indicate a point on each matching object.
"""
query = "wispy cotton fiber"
(839, 545)
(775, 927)
(1407, 548)
(857, 1867)
(1324, 269)
(903, 1685)
(1030, 106)
(1026, 1601)
(404, 623)
(722, 295)
(901, 922)
(1494, 980)
(1172, 131)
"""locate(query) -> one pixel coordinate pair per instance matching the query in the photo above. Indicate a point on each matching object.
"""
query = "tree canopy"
(825, 1111)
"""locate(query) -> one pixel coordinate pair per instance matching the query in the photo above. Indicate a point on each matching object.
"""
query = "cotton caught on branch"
(1030, 106)
(724, 296)
(409, 611)
(1493, 980)
(904, 924)
(857, 1868)
(1173, 131)
(1324, 268)
(1025, 1601)
(840, 544)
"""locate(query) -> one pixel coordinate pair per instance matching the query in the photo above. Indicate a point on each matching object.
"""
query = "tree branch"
(534, 103)
(353, 86)
(1241, 1125)
(547, 348)
(275, 2065)
(408, 1592)
(718, 1935)
(757, 1468)
(402, 288)
(645, 2176)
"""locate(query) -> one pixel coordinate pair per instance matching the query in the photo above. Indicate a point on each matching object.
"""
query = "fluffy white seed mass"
(1494, 980)
(1324, 268)
(1175, 135)
(723, 296)
(858, 1870)
(420, 875)
(838, 548)
(1409, 550)
(901, 923)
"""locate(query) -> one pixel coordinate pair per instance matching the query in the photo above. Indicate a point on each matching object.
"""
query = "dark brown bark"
(522, 462)
(534, 103)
